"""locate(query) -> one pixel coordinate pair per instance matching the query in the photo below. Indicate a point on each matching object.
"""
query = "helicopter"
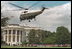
(29, 16)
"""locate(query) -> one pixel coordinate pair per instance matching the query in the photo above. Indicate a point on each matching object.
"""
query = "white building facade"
(15, 34)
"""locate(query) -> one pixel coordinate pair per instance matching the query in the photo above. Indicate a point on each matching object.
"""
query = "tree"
(50, 39)
(62, 35)
(4, 21)
(24, 43)
(32, 36)
(36, 36)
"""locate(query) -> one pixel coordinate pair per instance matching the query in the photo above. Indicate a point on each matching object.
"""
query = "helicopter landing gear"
(20, 20)
(29, 20)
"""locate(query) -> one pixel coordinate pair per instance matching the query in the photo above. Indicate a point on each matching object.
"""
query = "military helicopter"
(29, 16)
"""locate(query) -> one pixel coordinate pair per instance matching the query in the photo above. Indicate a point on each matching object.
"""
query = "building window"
(17, 38)
(14, 35)
(9, 31)
(13, 31)
(5, 31)
(13, 38)
(9, 38)
(21, 33)
(17, 32)
(21, 36)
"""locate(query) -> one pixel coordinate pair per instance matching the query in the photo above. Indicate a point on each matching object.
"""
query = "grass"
(30, 47)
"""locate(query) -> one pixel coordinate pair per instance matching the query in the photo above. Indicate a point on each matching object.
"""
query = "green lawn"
(30, 47)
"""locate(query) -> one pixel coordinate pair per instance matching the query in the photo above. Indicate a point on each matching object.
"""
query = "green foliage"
(49, 40)
(30, 47)
(3, 43)
(4, 21)
(25, 43)
(32, 37)
(63, 35)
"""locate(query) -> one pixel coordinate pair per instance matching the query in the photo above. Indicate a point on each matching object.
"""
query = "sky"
(26, 4)
(47, 3)
(58, 14)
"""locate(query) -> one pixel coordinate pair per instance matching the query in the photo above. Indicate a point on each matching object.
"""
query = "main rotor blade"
(17, 6)
(14, 10)
(33, 4)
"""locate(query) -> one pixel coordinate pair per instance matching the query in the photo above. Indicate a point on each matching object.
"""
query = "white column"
(11, 36)
(19, 39)
(4, 36)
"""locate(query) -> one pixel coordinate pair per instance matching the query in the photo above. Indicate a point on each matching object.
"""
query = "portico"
(15, 34)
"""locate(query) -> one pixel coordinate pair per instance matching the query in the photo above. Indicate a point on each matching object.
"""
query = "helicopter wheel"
(29, 20)
(20, 20)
